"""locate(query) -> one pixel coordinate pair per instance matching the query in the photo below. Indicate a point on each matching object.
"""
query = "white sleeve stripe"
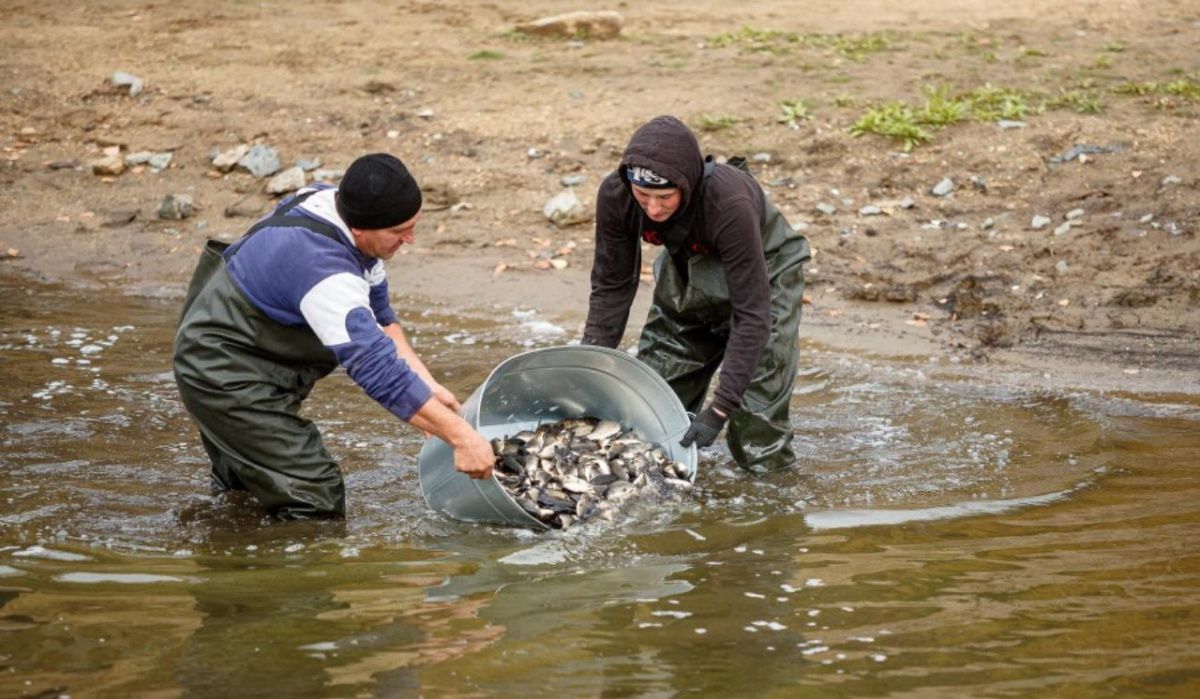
(327, 304)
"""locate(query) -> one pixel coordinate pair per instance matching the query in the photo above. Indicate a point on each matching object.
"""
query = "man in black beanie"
(304, 290)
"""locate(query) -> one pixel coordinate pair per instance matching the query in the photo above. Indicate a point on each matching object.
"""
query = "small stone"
(942, 188)
(988, 223)
(907, 203)
(827, 209)
(564, 209)
(1064, 228)
(533, 154)
(156, 161)
(260, 161)
(159, 161)
(139, 158)
(1039, 222)
(591, 25)
(287, 181)
(327, 175)
(870, 210)
(761, 157)
(247, 207)
(175, 207)
(308, 164)
(393, 134)
(573, 180)
(1061, 267)
(1170, 180)
(1146, 219)
(227, 160)
(1011, 124)
(123, 79)
(979, 183)
(1074, 214)
(111, 164)
(425, 113)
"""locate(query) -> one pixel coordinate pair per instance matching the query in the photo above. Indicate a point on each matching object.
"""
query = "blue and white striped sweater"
(299, 277)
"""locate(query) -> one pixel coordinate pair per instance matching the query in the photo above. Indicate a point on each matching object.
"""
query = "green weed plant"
(719, 122)
(486, 55)
(854, 47)
(914, 126)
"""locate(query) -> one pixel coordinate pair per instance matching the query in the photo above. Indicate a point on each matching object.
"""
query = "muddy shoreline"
(1063, 252)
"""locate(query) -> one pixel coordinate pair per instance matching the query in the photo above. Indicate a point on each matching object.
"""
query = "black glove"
(704, 429)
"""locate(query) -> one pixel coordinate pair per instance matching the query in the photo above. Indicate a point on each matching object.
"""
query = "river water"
(944, 536)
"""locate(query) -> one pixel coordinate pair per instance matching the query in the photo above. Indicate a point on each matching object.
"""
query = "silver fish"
(577, 469)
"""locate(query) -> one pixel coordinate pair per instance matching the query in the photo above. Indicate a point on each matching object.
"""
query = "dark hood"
(668, 147)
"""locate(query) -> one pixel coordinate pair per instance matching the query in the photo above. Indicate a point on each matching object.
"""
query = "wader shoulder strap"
(280, 218)
(742, 164)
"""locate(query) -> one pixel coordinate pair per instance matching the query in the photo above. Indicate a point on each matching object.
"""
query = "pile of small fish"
(573, 470)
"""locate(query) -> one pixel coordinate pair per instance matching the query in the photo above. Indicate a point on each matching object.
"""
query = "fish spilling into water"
(576, 469)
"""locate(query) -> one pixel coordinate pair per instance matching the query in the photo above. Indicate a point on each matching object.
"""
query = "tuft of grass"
(1081, 101)
(990, 103)
(1186, 88)
(843, 101)
(753, 39)
(1102, 62)
(486, 55)
(940, 109)
(793, 112)
(856, 47)
(1115, 47)
(710, 122)
(916, 125)
(1027, 56)
(894, 120)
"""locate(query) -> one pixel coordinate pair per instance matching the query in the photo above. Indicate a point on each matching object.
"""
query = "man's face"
(659, 204)
(384, 242)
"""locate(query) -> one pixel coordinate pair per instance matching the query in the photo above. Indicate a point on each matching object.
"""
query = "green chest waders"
(688, 327)
(242, 377)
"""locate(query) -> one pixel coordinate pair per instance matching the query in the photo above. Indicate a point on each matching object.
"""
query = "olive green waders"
(688, 326)
(242, 376)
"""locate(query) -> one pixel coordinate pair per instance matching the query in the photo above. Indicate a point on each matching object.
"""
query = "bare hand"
(475, 457)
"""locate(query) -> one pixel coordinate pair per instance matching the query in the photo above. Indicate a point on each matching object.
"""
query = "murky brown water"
(945, 538)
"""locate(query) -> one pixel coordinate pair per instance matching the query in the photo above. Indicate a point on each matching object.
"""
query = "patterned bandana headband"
(645, 177)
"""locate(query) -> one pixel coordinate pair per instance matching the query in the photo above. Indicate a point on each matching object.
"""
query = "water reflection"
(943, 537)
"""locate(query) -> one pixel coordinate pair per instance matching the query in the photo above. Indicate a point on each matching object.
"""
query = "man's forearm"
(442, 422)
(407, 353)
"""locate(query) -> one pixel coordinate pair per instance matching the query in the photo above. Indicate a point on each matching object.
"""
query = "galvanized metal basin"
(548, 385)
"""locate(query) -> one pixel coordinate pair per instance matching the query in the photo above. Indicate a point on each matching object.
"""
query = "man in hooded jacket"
(303, 291)
(727, 293)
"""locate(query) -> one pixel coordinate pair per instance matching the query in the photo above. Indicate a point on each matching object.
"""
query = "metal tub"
(548, 385)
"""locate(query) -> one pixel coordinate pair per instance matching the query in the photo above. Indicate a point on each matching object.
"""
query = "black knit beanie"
(376, 192)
